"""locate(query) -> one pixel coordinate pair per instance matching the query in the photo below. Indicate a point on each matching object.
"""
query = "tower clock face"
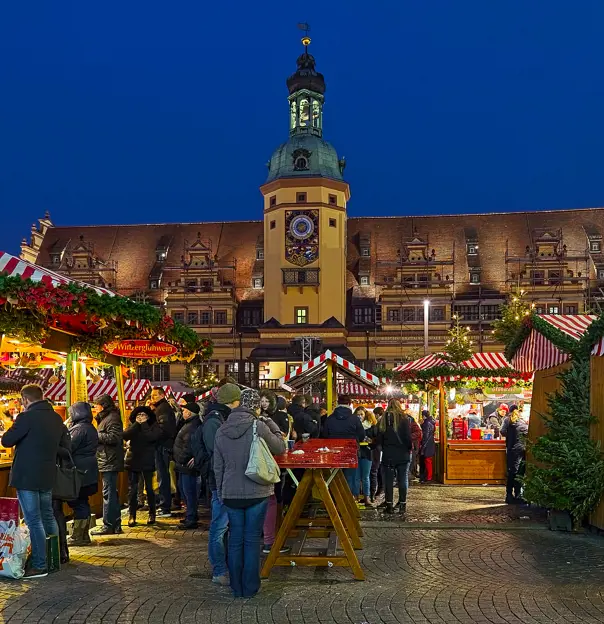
(301, 236)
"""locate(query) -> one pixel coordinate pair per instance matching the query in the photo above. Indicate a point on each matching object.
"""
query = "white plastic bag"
(261, 466)
(15, 545)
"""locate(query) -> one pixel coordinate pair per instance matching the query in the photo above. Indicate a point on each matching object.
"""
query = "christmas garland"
(434, 372)
(29, 310)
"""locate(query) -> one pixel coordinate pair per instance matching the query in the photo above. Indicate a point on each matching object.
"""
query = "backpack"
(203, 458)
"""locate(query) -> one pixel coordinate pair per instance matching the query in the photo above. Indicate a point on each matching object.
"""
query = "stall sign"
(140, 349)
(80, 387)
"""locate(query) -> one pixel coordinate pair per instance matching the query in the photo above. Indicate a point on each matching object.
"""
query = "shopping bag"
(261, 466)
(68, 480)
(9, 509)
(15, 545)
(53, 555)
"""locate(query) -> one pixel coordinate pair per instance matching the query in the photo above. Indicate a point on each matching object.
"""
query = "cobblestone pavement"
(414, 575)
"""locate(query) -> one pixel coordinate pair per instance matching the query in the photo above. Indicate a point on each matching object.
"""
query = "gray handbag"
(261, 466)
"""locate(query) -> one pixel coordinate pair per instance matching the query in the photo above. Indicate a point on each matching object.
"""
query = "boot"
(151, 519)
(132, 519)
(86, 536)
(402, 507)
(80, 527)
(389, 509)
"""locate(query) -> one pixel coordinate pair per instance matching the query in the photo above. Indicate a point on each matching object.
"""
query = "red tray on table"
(346, 455)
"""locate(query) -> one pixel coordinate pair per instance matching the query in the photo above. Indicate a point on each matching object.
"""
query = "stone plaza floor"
(459, 557)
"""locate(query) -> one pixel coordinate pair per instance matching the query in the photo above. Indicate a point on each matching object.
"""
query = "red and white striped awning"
(598, 348)
(13, 266)
(489, 361)
(315, 367)
(134, 389)
(352, 389)
(423, 363)
(538, 353)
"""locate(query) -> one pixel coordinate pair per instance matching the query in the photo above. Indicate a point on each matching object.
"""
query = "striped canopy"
(428, 361)
(538, 353)
(134, 389)
(13, 266)
(313, 369)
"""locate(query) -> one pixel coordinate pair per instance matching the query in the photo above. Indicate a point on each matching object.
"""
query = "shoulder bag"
(68, 480)
(261, 466)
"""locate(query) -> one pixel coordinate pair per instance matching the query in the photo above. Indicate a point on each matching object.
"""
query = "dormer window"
(257, 283)
(301, 164)
(472, 250)
(365, 252)
(364, 280)
(153, 284)
(595, 246)
(259, 254)
(55, 259)
(474, 277)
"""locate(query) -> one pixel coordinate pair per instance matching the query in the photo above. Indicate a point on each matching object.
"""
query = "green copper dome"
(305, 156)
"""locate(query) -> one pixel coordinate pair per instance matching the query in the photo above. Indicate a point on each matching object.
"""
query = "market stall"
(547, 346)
(469, 447)
(336, 373)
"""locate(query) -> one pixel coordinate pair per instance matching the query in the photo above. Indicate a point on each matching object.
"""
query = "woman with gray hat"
(245, 500)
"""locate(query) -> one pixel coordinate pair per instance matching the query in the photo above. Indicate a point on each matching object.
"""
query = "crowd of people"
(207, 446)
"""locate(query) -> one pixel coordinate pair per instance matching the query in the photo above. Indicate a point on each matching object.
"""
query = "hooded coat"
(428, 446)
(183, 452)
(84, 444)
(142, 438)
(166, 420)
(343, 425)
(232, 453)
(303, 422)
(315, 413)
(110, 452)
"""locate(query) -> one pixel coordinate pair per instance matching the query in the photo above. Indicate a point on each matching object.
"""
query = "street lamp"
(426, 320)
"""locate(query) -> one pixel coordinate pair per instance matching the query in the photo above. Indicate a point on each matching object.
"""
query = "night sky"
(125, 112)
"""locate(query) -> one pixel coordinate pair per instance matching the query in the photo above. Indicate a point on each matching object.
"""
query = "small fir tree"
(513, 315)
(459, 345)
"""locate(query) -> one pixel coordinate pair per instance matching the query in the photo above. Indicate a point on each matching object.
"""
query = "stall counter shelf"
(476, 462)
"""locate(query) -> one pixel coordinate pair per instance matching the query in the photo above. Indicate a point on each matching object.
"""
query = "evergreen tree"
(459, 346)
(513, 315)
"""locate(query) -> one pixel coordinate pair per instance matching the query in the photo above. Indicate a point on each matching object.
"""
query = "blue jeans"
(352, 478)
(245, 530)
(112, 516)
(39, 517)
(162, 463)
(190, 492)
(364, 471)
(218, 529)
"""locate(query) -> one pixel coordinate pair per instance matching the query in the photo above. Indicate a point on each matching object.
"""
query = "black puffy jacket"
(166, 420)
(84, 445)
(110, 453)
(183, 452)
(142, 438)
(396, 444)
(303, 422)
(343, 425)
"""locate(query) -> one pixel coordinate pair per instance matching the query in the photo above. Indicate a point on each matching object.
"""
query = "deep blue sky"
(131, 111)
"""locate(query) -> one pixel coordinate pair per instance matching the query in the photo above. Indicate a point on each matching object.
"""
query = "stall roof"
(538, 353)
(13, 266)
(134, 389)
(312, 369)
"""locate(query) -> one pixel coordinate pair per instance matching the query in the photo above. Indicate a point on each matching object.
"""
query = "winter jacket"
(142, 441)
(396, 444)
(428, 447)
(371, 433)
(343, 425)
(303, 422)
(416, 433)
(110, 452)
(315, 413)
(167, 423)
(232, 453)
(282, 420)
(216, 415)
(515, 434)
(84, 444)
(183, 452)
(37, 434)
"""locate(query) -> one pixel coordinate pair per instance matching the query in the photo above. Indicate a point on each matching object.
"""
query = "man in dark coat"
(303, 422)
(110, 459)
(37, 434)
(314, 411)
(163, 455)
(84, 446)
(515, 431)
(344, 425)
(184, 461)
(142, 434)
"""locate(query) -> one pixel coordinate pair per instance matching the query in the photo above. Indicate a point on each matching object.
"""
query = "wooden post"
(442, 433)
(121, 396)
(330, 384)
(71, 358)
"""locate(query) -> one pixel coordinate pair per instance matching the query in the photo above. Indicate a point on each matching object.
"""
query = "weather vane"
(306, 28)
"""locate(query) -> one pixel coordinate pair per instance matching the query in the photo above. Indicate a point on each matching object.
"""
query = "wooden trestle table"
(324, 479)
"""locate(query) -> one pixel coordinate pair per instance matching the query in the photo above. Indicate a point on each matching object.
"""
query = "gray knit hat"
(229, 393)
(250, 399)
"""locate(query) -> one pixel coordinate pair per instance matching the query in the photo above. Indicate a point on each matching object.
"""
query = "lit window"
(301, 316)
(364, 280)
(257, 282)
(553, 309)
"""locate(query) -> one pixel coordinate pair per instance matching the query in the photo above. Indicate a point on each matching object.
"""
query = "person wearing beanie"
(142, 433)
(227, 398)
(515, 432)
(166, 419)
(110, 458)
(184, 461)
(427, 448)
(245, 500)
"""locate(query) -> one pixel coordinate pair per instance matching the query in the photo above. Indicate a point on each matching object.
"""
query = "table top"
(344, 454)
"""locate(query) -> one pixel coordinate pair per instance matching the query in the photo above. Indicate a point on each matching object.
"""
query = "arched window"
(304, 113)
(292, 118)
(316, 114)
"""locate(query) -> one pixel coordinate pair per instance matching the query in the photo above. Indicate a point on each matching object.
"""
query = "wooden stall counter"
(474, 462)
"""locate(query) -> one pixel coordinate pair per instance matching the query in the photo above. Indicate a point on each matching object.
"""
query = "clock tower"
(305, 198)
